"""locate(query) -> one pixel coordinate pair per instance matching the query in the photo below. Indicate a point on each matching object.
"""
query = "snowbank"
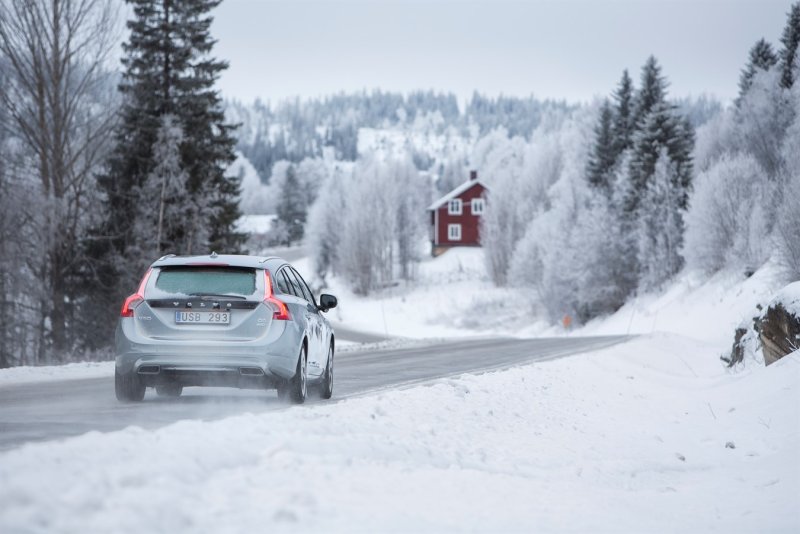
(647, 436)
(69, 371)
(789, 298)
(694, 306)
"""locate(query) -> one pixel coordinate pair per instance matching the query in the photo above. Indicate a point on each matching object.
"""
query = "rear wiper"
(218, 295)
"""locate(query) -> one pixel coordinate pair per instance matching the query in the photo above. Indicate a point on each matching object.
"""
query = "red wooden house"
(456, 217)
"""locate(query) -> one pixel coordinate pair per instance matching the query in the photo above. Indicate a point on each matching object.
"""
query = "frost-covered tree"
(324, 229)
(761, 58)
(411, 196)
(504, 220)
(726, 224)
(787, 225)
(764, 114)
(790, 40)
(660, 225)
(366, 246)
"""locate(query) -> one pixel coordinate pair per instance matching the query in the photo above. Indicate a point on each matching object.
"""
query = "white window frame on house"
(454, 232)
(454, 206)
(477, 206)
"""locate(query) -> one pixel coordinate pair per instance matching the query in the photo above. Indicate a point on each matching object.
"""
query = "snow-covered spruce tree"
(604, 155)
(624, 120)
(292, 207)
(660, 129)
(168, 69)
(726, 224)
(790, 40)
(167, 215)
(660, 224)
(761, 58)
(653, 91)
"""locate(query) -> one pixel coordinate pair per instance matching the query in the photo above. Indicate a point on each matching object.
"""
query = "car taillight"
(131, 302)
(280, 311)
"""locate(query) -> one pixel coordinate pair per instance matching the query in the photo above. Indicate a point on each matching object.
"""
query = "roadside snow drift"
(652, 435)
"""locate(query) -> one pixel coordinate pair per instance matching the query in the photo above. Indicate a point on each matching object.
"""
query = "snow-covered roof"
(455, 193)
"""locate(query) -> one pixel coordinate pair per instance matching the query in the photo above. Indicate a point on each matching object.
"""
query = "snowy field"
(652, 435)
(451, 296)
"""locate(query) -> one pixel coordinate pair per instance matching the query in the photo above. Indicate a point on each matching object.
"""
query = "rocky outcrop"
(774, 332)
(779, 332)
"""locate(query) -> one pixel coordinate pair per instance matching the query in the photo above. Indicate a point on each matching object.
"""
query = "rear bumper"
(210, 363)
(228, 375)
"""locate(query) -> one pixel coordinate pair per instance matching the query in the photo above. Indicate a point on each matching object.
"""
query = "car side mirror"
(326, 302)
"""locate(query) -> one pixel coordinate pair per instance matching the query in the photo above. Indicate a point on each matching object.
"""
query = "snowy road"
(58, 409)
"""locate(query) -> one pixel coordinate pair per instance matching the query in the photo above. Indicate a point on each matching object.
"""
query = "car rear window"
(207, 280)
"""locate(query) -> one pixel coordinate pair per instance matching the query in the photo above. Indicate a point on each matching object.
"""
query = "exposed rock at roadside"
(779, 331)
(775, 331)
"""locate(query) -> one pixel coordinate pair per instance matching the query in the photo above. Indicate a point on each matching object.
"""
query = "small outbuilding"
(456, 217)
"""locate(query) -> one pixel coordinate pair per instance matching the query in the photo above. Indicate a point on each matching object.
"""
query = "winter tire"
(128, 387)
(326, 386)
(298, 386)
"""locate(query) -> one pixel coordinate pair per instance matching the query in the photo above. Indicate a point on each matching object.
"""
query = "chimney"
(473, 175)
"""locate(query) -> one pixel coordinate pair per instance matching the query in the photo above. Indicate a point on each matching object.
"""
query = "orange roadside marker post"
(566, 321)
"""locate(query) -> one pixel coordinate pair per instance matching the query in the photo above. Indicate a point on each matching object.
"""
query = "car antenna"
(214, 254)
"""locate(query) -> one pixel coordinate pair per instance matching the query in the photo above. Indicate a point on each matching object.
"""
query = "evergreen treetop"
(761, 57)
(653, 90)
(790, 40)
(603, 158)
(623, 113)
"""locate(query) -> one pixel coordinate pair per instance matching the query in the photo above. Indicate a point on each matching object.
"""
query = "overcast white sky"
(571, 49)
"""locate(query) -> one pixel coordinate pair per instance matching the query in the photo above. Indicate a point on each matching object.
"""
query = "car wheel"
(128, 387)
(169, 390)
(298, 386)
(326, 386)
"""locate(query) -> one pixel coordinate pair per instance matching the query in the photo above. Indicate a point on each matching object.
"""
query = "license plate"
(202, 317)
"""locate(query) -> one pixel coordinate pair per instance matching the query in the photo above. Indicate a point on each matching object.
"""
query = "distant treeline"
(294, 130)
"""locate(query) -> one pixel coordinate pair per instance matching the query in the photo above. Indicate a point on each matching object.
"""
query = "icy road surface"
(62, 408)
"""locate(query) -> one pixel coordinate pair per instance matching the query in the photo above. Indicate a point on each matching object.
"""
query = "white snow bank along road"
(631, 439)
(55, 373)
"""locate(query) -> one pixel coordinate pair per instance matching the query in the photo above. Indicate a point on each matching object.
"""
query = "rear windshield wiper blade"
(218, 295)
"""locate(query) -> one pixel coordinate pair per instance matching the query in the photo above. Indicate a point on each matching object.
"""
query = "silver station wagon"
(224, 320)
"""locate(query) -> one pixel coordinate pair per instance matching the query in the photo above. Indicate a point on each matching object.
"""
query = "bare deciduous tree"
(56, 106)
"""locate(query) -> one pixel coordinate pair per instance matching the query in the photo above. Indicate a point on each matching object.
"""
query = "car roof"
(221, 260)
